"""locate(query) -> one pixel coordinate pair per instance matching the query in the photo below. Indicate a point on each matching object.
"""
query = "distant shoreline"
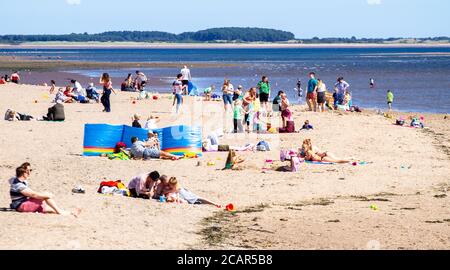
(81, 45)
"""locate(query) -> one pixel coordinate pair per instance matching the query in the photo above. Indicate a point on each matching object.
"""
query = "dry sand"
(320, 207)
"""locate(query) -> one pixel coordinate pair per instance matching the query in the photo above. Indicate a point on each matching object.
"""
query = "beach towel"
(319, 162)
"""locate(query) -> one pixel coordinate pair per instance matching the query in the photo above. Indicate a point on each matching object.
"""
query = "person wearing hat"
(237, 94)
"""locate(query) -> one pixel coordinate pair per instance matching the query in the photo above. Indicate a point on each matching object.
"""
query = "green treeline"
(236, 34)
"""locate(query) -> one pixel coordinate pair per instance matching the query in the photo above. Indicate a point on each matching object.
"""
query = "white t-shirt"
(186, 74)
(229, 89)
(150, 124)
(322, 88)
(78, 89)
(177, 87)
(140, 77)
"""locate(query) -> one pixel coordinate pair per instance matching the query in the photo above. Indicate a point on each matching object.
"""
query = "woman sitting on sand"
(24, 199)
(173, 192)
(312, 153)
(60, 96)
(152, 139)
(233, 160)
(127, 84)
(148, 150)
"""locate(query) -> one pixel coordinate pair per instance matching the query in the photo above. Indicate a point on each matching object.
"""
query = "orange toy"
(230, 207)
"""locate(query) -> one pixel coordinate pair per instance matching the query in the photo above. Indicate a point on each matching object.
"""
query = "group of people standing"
(254, 106)
(316, 94)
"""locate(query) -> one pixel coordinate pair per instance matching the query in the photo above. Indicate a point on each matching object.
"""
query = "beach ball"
(155, 97)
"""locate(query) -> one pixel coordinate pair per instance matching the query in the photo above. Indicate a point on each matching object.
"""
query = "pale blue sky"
(306, 19)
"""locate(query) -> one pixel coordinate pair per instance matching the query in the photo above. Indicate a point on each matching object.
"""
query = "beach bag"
(108, 184)
(295, 161)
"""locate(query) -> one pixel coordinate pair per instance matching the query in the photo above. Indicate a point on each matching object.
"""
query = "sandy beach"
(319, 207)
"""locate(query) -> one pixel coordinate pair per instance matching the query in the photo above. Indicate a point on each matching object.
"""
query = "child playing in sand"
(136, 117)
(238, 113)
(233, 160)
(208, 91)
(307, 126)
(151, 122)
(257, 123)
(175, 193)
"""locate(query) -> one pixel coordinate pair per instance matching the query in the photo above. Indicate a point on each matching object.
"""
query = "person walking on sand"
(264, 92)
(186, 78)
(311, 96)
(178, 88)
(26, 200)
(105, 80)
(390, 99)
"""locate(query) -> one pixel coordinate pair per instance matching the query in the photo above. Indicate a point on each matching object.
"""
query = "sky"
(306, 19)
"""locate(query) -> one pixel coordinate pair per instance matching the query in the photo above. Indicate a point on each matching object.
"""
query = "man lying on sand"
(26, 200)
